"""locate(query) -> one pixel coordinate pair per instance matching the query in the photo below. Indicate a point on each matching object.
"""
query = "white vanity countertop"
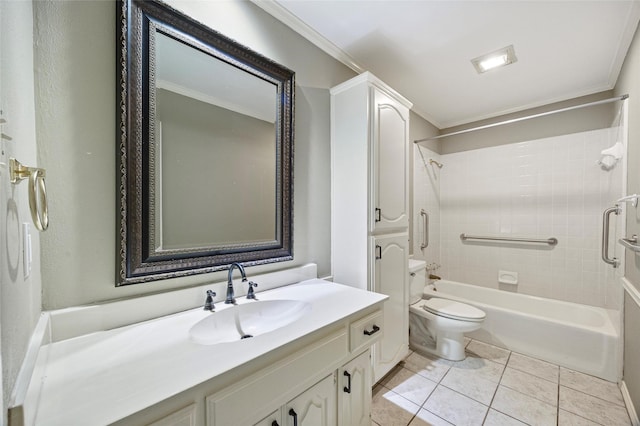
(105, 376)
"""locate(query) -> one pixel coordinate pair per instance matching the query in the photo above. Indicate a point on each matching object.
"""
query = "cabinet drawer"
(366, 331)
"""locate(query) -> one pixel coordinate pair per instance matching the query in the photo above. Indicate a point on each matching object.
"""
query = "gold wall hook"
(37, 191)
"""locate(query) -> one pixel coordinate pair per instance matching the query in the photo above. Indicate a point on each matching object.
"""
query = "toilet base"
(445, 348)
(443, 344)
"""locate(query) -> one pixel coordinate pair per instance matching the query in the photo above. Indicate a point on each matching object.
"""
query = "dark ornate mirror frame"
(138, 261)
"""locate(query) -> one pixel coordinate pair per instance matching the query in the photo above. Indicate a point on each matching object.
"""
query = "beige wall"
(75, 91)
(19, 296)
(564, 123)
(629, 83)
(217, 176)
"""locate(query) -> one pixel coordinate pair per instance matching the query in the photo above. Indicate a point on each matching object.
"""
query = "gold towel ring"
(38, 204)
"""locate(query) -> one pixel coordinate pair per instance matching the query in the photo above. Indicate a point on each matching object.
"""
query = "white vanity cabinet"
(369, 219)
(183, 417)
(317, 406)
(273, 419)
(388, 175)
(354, 392)
(391, 254)
(307, 387)
(166, 378)
(314, 407)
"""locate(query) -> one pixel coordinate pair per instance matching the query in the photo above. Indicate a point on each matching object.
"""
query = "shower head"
(432, 162)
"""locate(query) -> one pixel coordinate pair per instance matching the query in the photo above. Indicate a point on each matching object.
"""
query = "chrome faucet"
(230, 296)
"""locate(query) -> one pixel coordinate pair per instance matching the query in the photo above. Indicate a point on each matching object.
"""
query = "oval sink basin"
(247, 320)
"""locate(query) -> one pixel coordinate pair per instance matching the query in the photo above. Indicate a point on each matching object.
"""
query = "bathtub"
(580, 337)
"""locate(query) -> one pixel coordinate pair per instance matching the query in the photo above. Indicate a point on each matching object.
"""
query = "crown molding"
(292, 21)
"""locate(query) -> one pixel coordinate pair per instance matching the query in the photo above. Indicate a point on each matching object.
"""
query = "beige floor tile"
(390, 409)
(533, 386)
(490, 352)
(431, 368)
(410, 385)
(426, 418)
(566, 418)
(496, 418)
(534, 366)
(524, 408)
(455, 408)
(471, 384)
(592, 408)
(484, 368)
(395, 370)
(591, 385)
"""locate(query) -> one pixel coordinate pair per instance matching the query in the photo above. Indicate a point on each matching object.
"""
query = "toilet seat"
(453, 310)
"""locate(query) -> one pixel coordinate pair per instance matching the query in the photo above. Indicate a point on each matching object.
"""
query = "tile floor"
(493, 387)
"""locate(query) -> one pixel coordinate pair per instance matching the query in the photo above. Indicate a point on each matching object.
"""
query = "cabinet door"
(184, 417)
(390, 161)
(390, 277)
(317, 406)
(354, 392)
(273, 419)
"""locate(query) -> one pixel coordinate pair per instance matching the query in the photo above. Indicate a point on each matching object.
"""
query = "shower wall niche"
(542, 188)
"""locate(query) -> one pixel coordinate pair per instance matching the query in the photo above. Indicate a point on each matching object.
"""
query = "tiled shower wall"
(542, 188)
(426, 196)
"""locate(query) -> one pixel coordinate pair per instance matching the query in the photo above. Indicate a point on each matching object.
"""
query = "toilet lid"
(453, 309)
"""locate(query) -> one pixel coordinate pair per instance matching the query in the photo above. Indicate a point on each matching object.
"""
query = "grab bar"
(425, 235)
(606, 217)
(551, 241)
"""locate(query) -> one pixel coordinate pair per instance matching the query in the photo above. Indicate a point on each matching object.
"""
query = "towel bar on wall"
(551, 241)
(37, 191)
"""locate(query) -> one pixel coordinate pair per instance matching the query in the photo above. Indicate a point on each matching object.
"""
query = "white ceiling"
(423, 48)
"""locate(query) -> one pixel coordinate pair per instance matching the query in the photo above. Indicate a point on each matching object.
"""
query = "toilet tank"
(417, 279)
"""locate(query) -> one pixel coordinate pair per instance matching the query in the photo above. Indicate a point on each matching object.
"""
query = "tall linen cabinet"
(369, 211)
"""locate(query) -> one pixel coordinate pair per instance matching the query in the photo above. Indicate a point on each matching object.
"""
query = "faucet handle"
(208, 304)
(250, 292)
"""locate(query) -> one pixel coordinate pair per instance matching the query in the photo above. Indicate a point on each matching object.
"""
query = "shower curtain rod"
(528, 117)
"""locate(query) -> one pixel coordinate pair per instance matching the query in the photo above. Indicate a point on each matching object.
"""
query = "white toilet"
(437, 326)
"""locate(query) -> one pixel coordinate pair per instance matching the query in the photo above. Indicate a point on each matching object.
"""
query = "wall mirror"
(205, 158)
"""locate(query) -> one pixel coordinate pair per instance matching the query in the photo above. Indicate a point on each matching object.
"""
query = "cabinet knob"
(274, 423)
(378, 214)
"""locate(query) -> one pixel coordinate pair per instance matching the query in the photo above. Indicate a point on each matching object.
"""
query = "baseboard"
(26, 392)
(629, 403)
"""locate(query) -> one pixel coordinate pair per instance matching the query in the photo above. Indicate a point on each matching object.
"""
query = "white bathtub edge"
(607, 365)
(631, 410)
